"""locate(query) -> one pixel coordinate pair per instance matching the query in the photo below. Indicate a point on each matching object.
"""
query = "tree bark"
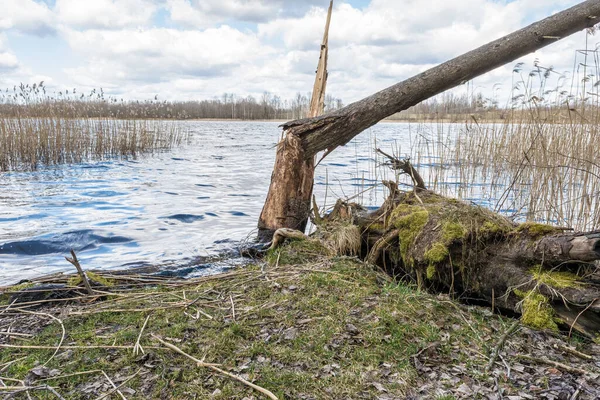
(288, 201)
(287, 205)
(450, 246)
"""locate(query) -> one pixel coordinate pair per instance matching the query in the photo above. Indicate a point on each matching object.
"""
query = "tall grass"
(540, 162)
(30, 139)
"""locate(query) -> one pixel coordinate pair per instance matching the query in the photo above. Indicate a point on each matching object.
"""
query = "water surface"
(175, 209)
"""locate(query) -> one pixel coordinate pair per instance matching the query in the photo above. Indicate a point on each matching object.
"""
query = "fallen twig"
(232, 308)
(500, 344)
(115, 388)
(137, 347)
(62, 326)
(73, 260)
(214, 368)
(574, 352)
(554, 364)
(19, 389)
(14, 346)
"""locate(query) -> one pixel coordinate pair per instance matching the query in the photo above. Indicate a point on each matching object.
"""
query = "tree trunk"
(288, 201)
(287, 204)
(470, 252)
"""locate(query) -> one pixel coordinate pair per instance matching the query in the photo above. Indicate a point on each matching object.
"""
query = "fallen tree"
(536, 270)
(288, 201)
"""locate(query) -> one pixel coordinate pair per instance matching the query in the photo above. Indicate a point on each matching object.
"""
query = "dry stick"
(62, 326)
(3, 378)
(137, 347)
(380, 244)
(573, 351)
(8, 306)
(84, 278)
(26, 335)
(118, 387)
(214, 368)
(499, 346)
(18, 389)
(555, 364)
(115, 388)
(579, 315)
(54, 392)
(14, 346)
(232, 307)
(122, 310)
(94, 371)
(5, 366)
(41, 302)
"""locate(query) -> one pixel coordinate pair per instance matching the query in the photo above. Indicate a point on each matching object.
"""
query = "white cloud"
(8, 61)
(389, 41)
(105, 14)
(248, 46)
(26, 16)
(197, 14)
(204, 13)
(152, 56)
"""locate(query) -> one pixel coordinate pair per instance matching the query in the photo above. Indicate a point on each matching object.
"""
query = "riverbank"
(305, 326)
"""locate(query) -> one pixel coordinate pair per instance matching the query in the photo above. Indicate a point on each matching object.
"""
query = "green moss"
(490, 228)
(537, 312)
(5, 297)
(376, 226)
(535, 230)
(555, 279)
(75, 280)
(431, 271)
(410, 221)
(297, 252)
(436, 254)
(439, 251)
(452, 231)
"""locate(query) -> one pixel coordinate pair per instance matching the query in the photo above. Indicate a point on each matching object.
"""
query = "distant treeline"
(34, 101)
(449, 104)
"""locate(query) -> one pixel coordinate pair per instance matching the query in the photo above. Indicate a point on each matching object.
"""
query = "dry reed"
(36, 130)
(538, 163)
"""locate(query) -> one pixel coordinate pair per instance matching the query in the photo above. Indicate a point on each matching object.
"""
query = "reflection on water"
(173, 208)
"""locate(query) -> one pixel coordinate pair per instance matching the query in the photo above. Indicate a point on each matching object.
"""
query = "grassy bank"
(327, 328)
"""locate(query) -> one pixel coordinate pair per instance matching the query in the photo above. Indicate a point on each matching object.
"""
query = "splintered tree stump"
(288, 199)
(536, 270)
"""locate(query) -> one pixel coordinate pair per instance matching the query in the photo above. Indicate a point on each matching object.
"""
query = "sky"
(199, 49)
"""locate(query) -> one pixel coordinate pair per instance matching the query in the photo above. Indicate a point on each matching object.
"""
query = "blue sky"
(197, 49)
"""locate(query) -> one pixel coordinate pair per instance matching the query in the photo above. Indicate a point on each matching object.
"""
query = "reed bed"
(538, 163)
(27, 143)
(37, 129)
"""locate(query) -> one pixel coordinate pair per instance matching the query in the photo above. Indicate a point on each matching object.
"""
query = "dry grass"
(37, 130)
(27, 143)
(538, 163)
(330, 328)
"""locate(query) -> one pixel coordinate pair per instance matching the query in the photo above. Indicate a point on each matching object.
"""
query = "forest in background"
(35, 101)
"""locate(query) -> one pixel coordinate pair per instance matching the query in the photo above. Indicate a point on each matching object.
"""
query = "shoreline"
(303, 324)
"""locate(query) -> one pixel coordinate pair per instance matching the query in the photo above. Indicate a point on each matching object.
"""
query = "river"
(176, 209)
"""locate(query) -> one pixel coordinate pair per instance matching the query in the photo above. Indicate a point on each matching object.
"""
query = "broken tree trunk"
(447, 245)
(288, 200)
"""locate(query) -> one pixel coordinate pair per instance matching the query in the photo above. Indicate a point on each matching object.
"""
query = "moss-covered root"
(410, 221)
(94, 278)
(537, 311)
(536, 230)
